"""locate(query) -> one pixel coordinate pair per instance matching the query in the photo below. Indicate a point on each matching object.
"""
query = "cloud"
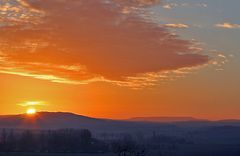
(15, 12)
(80, 42)
(170, 5)
(32, 103)
(178, 25)
(219, 60)
(137, 2)
(228, 25)
(167, 5)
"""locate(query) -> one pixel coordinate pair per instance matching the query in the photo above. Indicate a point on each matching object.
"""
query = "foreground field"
(56, 154)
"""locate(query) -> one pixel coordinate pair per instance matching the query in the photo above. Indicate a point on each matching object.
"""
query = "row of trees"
(66, 141)
(127, 147)
(82, 141)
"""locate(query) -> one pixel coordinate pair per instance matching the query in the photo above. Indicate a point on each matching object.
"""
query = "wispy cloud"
(228, 25)
(32, 103)
(177, 25)
(167, 5)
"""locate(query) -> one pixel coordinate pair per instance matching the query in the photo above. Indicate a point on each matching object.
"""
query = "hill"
(64, 120)
(163, 119)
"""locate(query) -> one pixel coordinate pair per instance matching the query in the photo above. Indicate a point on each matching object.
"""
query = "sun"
(31, 111)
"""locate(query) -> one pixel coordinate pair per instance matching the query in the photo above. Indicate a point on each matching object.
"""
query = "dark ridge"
(163, 119)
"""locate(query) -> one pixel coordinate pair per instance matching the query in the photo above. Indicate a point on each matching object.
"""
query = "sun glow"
(31, 111)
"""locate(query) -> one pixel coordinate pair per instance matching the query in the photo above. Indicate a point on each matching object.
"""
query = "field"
(56, 154)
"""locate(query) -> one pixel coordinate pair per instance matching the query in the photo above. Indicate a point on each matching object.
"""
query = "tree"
(3, 140)
(127, 147)
(85, 140)
(27, 141)
(11, 141)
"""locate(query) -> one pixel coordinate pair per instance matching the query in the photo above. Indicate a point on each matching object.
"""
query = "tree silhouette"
(26, 142)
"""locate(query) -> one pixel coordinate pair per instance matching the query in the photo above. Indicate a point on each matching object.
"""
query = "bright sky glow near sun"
(121, 59)
(31, 111)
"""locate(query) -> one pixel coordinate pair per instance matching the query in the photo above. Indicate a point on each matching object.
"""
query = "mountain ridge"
(65, 120)
(165, 119)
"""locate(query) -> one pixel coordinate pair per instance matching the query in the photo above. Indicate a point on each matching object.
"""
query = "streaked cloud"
(76, 45)
(228, 25)
(32, 103)
(137, 2)
(168, 5)
(177, 25)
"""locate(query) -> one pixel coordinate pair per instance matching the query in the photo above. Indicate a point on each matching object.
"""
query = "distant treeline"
(123, 144)
(65, 141)
(62, 141)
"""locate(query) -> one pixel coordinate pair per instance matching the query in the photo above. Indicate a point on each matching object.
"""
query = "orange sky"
(109, 101)
(106, 60)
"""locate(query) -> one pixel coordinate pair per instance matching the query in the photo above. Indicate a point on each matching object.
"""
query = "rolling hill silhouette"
(63, 120)
(164, 119)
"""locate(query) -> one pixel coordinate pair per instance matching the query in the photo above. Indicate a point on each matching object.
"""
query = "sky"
(120, 59)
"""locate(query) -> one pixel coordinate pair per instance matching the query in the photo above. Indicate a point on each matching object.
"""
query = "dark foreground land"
(69, 142)
(189, 150)
(54, 154)
(61, 135)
